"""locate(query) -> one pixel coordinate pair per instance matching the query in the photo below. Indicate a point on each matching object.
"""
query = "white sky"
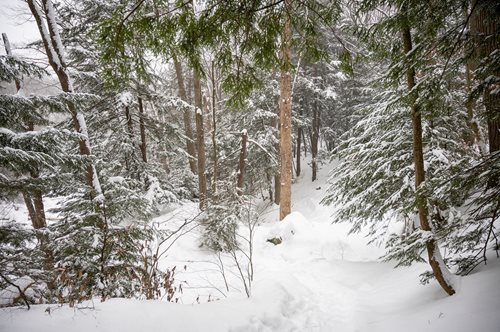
(16, 21)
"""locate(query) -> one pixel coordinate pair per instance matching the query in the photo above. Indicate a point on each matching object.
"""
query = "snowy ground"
(318, 279)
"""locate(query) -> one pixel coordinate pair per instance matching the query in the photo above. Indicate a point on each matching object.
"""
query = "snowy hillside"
(317, 279)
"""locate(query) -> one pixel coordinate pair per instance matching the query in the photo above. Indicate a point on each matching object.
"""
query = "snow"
(317, 279)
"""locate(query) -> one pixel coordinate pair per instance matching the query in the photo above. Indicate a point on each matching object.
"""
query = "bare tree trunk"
(241, 164)
(485, 28)
(142, 130)
(286, 118)
(200, 141)
(191, 150)
(55, 54)
(435, 260)
(315, 141)
(8, 51)
(275, 124)
(297, 153)
(214, 133)
(304, 142)
(31, 208)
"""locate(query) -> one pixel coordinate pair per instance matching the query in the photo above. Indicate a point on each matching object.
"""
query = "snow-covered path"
(317, 279)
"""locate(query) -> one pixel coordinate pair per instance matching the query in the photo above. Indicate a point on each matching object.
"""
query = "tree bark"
(435, 260)
(241, 164)
(142, 131)
(286, 117)
(200, 140)
(190, 146)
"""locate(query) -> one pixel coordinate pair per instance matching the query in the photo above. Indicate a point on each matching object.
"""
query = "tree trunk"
(485, 29)
(130, 129)
(276, 124)
(191, 150)
(314, 142)
(55, 54)
(200, 140)
(241, 164)
(8, 51)
(297, 153)
(214, 133)
(286, 118)
(435, 260)
(304, 142)
(142, 130)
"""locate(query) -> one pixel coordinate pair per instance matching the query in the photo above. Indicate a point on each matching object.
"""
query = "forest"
(260, 165)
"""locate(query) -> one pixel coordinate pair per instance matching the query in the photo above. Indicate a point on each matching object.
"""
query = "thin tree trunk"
(297, 153)
(200, 141)
(142, 130)
(304, 142)
(276, 124)
(31, 208)
(286, 118)
(270, 188)
(55, 54)
(315, 141)
(8, 51)
(435, 260)
(214, 134)
(241, 164)
(188, 129)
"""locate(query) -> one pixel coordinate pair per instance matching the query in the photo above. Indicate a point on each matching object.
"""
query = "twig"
(21, 292)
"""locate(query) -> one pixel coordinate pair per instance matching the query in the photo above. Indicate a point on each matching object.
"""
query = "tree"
(55, 54)
(200, 141)
(286, 116)
(435, 259)
(186, 116)
(381, 171)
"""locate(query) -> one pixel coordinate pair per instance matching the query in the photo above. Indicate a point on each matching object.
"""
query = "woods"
(227, 105)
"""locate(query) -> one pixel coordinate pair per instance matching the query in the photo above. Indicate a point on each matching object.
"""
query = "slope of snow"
(317, 279)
